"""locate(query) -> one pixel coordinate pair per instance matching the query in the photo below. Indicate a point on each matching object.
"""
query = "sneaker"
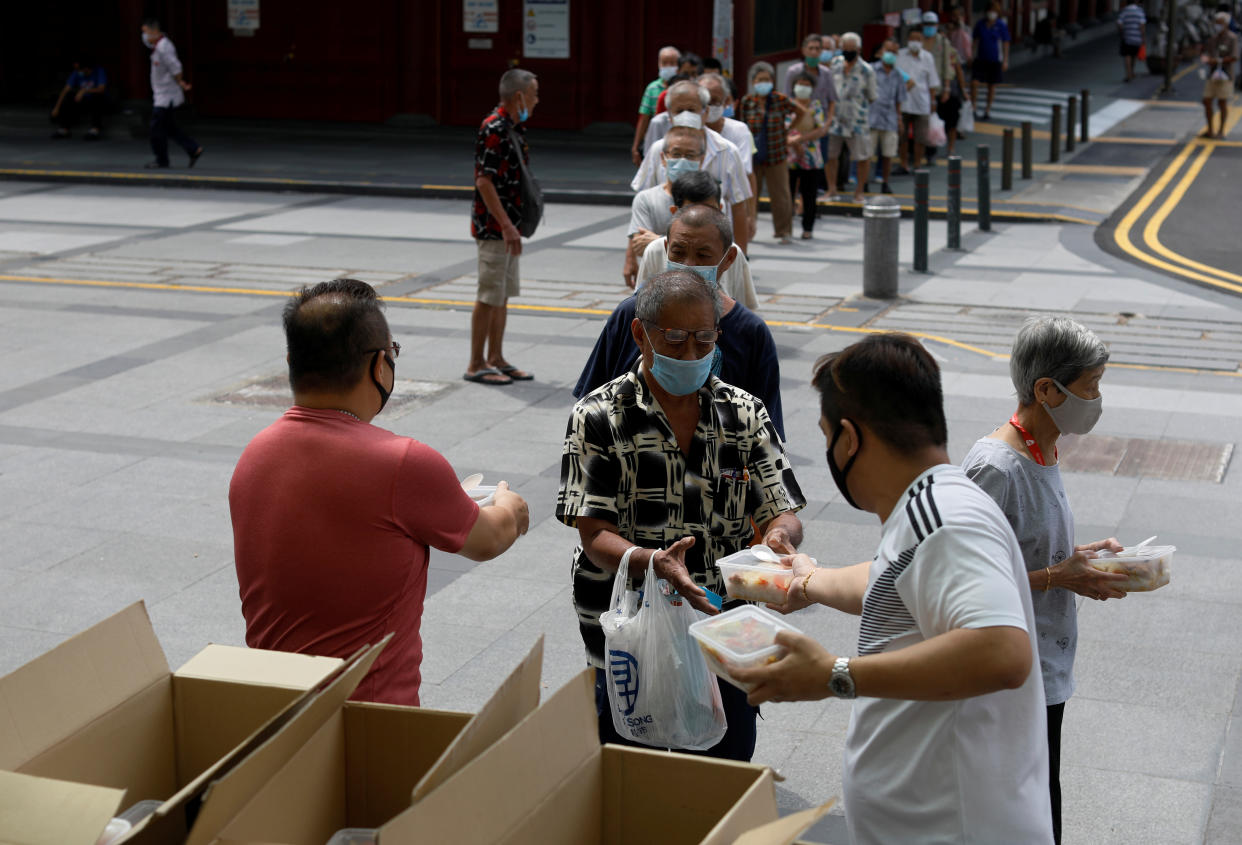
(885, 189)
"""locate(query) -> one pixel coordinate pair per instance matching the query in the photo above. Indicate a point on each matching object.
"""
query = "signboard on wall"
(545, 29)
(722, 33)
(480, 15)
(243, 16)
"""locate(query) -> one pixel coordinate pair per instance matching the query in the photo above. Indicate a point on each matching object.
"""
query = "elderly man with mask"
(687, 106)
(667, 61)
(919, 65)
(652, 209)
(669, 465)
(856, 90)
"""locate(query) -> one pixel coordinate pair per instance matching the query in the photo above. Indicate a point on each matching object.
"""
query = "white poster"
(722, 34)
(545, 29)
(243, 16)
(480, 15)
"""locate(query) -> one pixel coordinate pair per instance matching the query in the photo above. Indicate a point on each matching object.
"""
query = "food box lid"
(725, 632)
(1138, 553)
(748, 558)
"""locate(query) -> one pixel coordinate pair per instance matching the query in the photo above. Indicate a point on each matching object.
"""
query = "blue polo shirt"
(890, 90)
(94, 79)
(990, 38)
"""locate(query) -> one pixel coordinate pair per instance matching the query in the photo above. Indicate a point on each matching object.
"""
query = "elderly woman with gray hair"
(1056, 365)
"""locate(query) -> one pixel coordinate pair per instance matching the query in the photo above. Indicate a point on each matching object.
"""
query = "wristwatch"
(842, 682)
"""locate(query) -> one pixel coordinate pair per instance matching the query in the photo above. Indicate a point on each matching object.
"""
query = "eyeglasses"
(394, 347)
(679, 336)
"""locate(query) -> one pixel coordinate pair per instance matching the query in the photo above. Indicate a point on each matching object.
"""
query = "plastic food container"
(1147, 566)
(354, 836)
(483, 494)
(749, 577)
(744, 637)
(116, 828)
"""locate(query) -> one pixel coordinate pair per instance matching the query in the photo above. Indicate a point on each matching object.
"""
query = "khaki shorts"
(1218, 89)
(884, 141)
(498, 273)
(859, 145)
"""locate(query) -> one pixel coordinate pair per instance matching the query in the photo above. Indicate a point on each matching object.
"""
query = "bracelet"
(1048, 586)
(805, 581)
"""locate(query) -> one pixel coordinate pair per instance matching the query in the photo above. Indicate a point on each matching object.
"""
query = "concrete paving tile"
(489, 601)
(1103, 805)
(1225, 824)
(1182, 624)
(1231, 757)
(1206, 579)
(150, 207)
(35, 547)
(813, 772)
(448, 646)
(207, 611)
(1197, 517)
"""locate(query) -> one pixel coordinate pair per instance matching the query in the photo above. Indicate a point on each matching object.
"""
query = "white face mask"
(915, 47)
(714, 113)
(992, 16)
(803, 92)
(690, 119)
(146, 40)
(667, 72)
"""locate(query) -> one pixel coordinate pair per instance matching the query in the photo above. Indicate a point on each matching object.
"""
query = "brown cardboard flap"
(240, 665)
(499, 787)
(39, 811)
(516, 698)
(83, 678)
(756, 807)
(785, 831)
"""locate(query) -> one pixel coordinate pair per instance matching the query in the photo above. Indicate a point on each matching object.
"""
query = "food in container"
(755, 574)
(744, 637)
(1147, 566)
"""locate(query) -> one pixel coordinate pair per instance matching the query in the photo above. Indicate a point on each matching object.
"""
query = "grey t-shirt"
(1032, 498)
(650, 211)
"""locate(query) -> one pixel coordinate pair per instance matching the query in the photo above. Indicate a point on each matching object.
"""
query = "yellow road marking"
(1116, 139)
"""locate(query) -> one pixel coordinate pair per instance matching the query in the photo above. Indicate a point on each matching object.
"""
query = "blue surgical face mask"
(708, 273)
(929, 31)
(763, 89)
(728, 110)
(678, 377)
(675, 167)
(523, 114)
(667, 72)
(889, 58)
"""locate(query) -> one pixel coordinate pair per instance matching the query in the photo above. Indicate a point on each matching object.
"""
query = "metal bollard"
(1054, 147)
(921, 183)
(953, 216)
(1007, 161)
(1085, 109)
(1071, 117)
(1028, 150)
(983, 156)
(881, 235)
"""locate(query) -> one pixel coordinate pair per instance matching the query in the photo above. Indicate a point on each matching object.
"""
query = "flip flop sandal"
(512, 372)
(482, 377)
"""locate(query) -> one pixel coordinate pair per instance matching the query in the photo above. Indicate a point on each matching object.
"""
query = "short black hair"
(712, 63)
(889, 383)
(154, 23)
(804, 77)
(329, 329)
(692, 59)
(695, 187)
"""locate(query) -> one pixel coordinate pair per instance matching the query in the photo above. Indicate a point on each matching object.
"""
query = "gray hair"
(712, 76)
(686, 86)
(1222, 17)
(514, 80)
(758, 68)
(850, 36)
(679, 131)
(1052, 347)
(697, 216)
(673, 287)
(667, 49)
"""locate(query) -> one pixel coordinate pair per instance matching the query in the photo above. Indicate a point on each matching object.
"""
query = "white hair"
(850, 36)
(1052, 347)
(669, 49)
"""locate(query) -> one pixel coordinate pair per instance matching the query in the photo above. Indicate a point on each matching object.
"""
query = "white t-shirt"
(721, 159)
(973, 770)
(734, 131)
(165, 66)
(736, 280)
(922, 69)
(650, 211)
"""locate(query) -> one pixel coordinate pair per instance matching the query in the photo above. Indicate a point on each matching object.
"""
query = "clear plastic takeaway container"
(1147, 566)
(754, 574)
(354, 836)
(483, 494)
(744, 637)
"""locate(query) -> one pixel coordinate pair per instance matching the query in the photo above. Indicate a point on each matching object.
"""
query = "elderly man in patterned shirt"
(669, 463)
(855, 83)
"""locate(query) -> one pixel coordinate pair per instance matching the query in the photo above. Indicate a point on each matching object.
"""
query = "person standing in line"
(959, 34)
(652, 208)
(815, 61)
(850, 128)
(500, 153)
(806, 162)
(764, 111)
(1056, 368)
(948, 105)
(83, 94)
(884, 116)
(1132, 27)
(990, 48)
(168, 92)
(1219, 54)
(667, 61)
(916, 112)
(720, 119)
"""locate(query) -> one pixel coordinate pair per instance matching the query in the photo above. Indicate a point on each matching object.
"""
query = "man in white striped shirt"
(167, 91)
(1132, 27)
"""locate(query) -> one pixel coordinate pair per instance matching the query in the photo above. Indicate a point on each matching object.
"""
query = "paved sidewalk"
(142, 345)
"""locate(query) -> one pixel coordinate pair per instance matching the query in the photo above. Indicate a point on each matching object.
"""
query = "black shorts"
(950, 111)
(1129, 49)
(987, 72)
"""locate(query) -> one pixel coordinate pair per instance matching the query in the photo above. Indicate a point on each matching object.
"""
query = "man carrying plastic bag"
(664, 469)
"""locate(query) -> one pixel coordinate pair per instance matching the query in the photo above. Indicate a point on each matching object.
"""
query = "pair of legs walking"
(163, 127)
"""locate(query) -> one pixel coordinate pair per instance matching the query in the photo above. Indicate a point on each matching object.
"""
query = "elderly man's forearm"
(491, 199)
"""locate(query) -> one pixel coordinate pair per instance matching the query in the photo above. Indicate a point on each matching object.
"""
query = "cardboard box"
(550, 782)
(103, 708)
(38, 811)
(363, 767)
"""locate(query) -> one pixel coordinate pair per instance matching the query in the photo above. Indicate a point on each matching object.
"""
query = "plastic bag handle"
(618, 581)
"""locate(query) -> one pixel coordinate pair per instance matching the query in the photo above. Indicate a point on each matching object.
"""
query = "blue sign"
(624, 669)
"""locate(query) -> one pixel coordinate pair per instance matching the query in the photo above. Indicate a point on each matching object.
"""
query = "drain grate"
(274, 392)
(1139, 457)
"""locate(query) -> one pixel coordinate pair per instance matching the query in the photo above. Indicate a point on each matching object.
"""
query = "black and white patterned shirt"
(622, 464)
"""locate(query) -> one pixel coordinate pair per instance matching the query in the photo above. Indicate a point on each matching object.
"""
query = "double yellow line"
(1156, 253)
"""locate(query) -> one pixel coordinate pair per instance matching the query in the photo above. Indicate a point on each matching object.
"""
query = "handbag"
(532, 195)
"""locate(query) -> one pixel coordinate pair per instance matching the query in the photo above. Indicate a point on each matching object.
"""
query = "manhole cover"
(1139, 457)
(274, 392)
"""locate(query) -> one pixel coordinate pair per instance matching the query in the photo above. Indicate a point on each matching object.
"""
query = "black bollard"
(1071, 117)
(921, 182)
(1028, 150)
(1054, 146)
(983, 156)
(1083, 105)
(1007, 161)
(953, 216)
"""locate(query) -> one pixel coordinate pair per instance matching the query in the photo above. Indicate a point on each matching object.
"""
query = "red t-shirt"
(332, 518)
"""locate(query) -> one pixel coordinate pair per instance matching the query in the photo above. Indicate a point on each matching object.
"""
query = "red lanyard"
(1036, 452)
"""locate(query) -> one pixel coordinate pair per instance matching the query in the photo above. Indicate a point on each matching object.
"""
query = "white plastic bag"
(966, 120)
(659, 687)
(936, 136)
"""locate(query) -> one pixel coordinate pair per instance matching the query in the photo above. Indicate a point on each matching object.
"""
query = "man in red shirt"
(333, 517)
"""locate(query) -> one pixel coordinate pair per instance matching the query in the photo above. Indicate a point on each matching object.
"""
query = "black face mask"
(384, 394)
(838, 475)
(850, 55)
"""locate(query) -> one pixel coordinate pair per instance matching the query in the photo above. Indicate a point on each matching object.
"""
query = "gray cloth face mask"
(1075, 415)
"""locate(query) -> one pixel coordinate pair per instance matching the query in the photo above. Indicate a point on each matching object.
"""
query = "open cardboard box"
(39, 811)
(103, 708)
(549, 781)
(362, 768)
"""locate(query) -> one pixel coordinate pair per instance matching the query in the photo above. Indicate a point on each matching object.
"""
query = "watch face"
(841, 687)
